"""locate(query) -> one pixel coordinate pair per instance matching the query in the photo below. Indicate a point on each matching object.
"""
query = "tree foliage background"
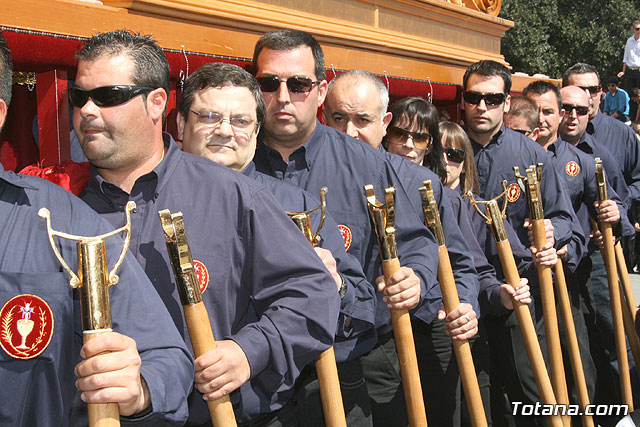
(551, 35)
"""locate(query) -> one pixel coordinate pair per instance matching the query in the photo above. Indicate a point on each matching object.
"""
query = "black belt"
(633, 68)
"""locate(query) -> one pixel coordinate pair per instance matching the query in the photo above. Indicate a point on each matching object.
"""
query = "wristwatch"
(343, 287)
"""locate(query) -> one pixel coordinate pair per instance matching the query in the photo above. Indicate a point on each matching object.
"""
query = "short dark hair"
(6, 69)
(151, 67)
(488, 68)
(521, 106)
(218, 75)
(579, 68)
(422, 114)
(540, 87)
(282, 40)
(613, 80)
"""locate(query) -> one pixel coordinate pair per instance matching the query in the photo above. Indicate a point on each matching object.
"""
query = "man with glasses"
(356, 104)
(497, 150)
(218, 89)
(261, 281)
(296, 148)
(523, 116)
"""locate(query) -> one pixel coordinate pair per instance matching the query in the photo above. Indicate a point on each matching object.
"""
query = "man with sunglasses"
(616, 101)
(48, 379)
(296, 148)
(356, 104)
(497, 150)
(596, 305)
(523, 116)
(265, 278)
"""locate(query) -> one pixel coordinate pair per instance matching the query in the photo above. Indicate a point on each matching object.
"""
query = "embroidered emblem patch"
(513, 192)
(346, 236)
(26, 326)
(203, 275)
(572, 168)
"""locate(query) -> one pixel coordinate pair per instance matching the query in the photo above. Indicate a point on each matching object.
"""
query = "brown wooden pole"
(461, 349)
(572, 340)
(202, 340)
(330, 392)
(195, 312)
(102, 414)
(527, 329)
(625, 280)
(403, 334)
(451, 301)
(554, 348)
(609, 255)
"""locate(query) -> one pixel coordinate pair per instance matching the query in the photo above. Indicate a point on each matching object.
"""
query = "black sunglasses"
(454, 154)
(523, 131)
(399, 136)
(581, 110)
(593, 90)
(490, 99)
(294, 84)
(106, 96)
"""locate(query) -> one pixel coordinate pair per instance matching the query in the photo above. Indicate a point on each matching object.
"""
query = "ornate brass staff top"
(92, 271)
(93, 284)
(450, 299)
(383, 217)
(495, 217)
(195, 313)
(303, 219)
(326, 368)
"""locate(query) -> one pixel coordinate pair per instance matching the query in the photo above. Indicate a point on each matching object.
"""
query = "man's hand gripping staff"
(495, 218)
(195, 313)
(383, 218)
(326, 367)
(461, 348)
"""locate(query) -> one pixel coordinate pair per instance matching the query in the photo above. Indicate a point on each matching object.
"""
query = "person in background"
(616, 101)
(522, 116)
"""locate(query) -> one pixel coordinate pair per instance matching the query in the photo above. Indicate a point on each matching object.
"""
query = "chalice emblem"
(25, 325)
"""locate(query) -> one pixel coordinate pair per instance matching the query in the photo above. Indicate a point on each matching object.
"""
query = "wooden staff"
(572, 340)
(494, 217)
(195, 313)
(461, 349)
(383, 218)
(609, 256)
(93, 282)
(536, 216)
(326, 368)
(626, 282)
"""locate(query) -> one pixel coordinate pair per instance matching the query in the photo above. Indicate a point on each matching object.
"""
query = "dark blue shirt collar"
(15, 179)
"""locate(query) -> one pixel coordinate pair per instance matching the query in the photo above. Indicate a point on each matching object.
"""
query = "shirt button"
(290, 175)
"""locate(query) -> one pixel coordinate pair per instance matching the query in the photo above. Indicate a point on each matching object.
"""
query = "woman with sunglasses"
(461, 175)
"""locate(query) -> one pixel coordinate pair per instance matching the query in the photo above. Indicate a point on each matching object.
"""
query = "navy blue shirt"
(332, 159)
(269, 291)
(588, 144)
(41, 391)
(356, 334)
(622, 142)
(578, 170)
(495, 163)
(412, 177)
